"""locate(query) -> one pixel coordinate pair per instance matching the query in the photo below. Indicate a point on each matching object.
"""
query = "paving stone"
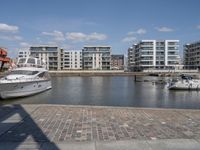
(59, 123)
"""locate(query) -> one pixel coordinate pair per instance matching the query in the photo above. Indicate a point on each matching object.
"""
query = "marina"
(100, 75)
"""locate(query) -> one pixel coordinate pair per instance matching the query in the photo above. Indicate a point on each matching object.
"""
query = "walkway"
(86, 127)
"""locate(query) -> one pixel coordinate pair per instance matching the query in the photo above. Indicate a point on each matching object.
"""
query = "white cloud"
(198, 27)
(11, 37)
(139, 32)
(76, 36)
(66, 46)
(8, 28)
(24, 44)
(129, 39)
(164, 29)
(130, 33)
(57, 35)
(131, 36)
(52, 43)
(81, 37)
(96, 36)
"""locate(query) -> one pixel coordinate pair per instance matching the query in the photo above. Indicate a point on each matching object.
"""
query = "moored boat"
(184, 83)
(29, 78)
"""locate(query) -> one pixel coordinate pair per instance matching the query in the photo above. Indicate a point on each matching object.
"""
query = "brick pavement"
(83, 124)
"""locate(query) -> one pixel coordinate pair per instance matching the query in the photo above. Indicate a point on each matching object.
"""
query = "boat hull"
(183, 85)
(22, 89)
(183, 88)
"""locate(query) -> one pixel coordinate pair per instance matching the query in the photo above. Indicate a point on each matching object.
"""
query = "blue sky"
(71, 24)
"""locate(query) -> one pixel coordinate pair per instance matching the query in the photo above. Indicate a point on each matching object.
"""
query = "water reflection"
(112, 91)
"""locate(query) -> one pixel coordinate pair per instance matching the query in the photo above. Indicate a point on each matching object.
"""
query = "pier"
(96, 127)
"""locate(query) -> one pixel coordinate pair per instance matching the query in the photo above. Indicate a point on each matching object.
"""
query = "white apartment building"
(131, 59)
(96, 57)
(72, 60)
(52, 56)
(156, 54)
(23, 53)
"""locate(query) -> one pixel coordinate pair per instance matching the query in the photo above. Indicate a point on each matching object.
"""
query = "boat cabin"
(29, 62)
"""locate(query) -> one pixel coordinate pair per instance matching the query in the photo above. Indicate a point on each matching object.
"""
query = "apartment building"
(52, 56)
(155, 54)
(23, 53)
(131, 59)
(72, 60)
(96, 57)
(125, 62)
(192, 55)
(117, 62)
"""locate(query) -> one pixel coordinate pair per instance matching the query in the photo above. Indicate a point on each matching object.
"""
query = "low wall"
(121, 73)
(95, 73)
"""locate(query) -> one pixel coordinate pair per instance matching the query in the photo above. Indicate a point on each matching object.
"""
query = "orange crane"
(3, 58)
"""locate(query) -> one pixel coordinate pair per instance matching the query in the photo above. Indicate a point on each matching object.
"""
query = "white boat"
(184, 83)
(29, 78)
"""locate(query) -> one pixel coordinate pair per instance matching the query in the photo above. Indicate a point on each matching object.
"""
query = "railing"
(4, 79)
(30, 65)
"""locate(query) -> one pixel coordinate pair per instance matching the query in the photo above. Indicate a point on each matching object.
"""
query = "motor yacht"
(28, 78)
(184, 83)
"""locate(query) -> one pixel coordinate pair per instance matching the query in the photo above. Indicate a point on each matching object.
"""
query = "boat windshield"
(31, 61)
(22, 60)
(184, 77)
(23, 72)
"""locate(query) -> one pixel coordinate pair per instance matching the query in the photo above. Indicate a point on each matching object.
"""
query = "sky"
(72, 24)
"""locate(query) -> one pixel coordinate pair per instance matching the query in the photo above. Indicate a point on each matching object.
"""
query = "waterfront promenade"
(95, 73)
(96, 127)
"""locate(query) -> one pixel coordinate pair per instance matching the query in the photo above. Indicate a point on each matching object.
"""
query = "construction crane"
(3, 58)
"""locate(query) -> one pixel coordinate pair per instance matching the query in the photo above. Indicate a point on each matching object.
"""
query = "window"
(41, 75)
(31, 61)
(38, 62)
(22, 60)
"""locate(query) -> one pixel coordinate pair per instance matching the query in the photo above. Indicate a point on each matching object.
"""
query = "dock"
(97, 127)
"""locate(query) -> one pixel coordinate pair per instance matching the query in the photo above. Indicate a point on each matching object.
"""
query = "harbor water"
(112, 91)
